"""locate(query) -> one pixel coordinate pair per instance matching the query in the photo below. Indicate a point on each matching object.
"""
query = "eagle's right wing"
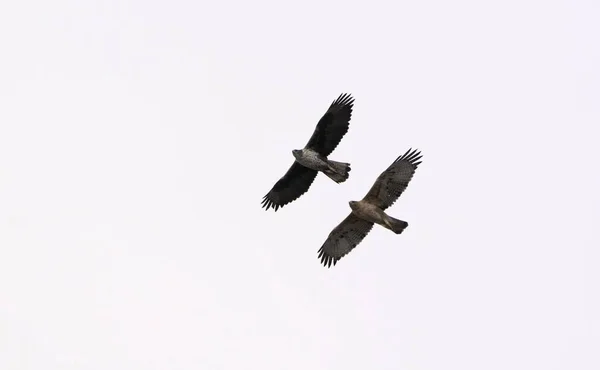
(347, 235)
(290, 187)
(392, 182)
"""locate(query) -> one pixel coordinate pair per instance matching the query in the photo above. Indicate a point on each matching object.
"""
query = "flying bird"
(312, 159)
(370, 210)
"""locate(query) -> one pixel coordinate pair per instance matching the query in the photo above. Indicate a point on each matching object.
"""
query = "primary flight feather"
(370, 210)
(312, 159)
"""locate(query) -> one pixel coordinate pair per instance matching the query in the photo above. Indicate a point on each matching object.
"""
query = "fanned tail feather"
(397, 226)
(338, 171)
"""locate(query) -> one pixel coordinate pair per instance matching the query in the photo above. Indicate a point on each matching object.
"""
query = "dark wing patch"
(332, 126)
(345, 237)
(393, 181)
(290, 187)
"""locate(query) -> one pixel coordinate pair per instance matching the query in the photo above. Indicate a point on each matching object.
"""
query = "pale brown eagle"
(313, 157)
(370, 210)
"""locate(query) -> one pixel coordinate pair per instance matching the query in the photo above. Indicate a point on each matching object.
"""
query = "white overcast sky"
(137, 139)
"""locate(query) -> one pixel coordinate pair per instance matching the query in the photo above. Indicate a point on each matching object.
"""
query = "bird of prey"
(370, 210)
(312, 159)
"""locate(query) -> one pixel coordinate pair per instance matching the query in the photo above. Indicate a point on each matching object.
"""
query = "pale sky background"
(137, 139)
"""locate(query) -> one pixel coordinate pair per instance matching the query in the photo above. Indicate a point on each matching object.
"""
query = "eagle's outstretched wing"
(332, 126)
(347, 235)
(391, 183)
(290, 187)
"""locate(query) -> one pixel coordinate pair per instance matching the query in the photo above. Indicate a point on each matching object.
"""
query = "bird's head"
(353, 204)
(296, 153)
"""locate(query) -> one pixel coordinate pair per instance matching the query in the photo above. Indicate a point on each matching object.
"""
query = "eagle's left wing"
(347, 235)
(290, 187)
(393, 181)
(332, 126)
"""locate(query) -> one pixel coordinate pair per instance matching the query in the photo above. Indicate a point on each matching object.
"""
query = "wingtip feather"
(344, 99)
(411, 156)
(267, 203)
(326, 261)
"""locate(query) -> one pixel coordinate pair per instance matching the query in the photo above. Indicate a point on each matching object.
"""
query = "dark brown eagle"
(313, 157)
(370, 210)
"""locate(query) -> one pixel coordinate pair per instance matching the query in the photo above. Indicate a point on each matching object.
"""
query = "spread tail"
(397, 226)
(338, 171)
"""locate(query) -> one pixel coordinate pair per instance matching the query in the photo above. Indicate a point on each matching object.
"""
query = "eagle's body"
(371, 213)
(371, 210)
(368, 212)
(337, 171)
(312, 159)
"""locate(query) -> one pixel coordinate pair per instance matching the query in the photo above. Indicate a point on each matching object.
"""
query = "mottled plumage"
(370, 210)
(328, 133)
